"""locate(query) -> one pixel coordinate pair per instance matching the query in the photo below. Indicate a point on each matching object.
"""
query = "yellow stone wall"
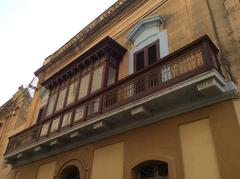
(198, 151)
(12, 120)
(186, 20)
(164, 140)
(46, 171)
(108, 162)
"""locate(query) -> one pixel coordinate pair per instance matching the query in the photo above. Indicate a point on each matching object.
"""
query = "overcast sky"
(31, 30)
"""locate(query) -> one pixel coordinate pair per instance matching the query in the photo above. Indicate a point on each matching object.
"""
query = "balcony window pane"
(139, 60)
(55, 124)
(93, 106)
(97, 79)
(61, 99)
(84, 86)
(72, 93)
(79, 114)
(40, 114)
(111, 76)
(67, 119)
(51, 104)
(44, 129)
(152, 54)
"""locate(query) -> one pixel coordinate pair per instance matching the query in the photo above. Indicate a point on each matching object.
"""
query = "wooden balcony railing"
(195, 58)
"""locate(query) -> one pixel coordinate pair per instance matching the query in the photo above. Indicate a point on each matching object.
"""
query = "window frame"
(40, 114)
(115, 67)
(62, 117)
(59, 117)
(103, 66)
(64, 86)
(74, 79)
(79, 86)
(103, 62)
(84, 114)
(52, 93)
(145, 54)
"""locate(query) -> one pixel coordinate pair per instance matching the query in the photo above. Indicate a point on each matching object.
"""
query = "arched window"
(150, 43)
(70, 172)
(153, 169)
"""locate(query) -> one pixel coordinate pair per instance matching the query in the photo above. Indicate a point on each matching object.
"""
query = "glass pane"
(139, 60)
(40, 114)
(111, 76)
(93, 106)
(152, 54)
(55, 124)
(72, 93)
(51, 104)
(84, 86)
(61, 99)
(97, 79)
(66, 119)
(44, 129)
(79, 114)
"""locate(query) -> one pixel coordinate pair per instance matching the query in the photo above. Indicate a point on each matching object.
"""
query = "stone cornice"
(86, 32)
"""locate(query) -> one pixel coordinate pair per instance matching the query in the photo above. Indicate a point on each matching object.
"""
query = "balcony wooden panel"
(192, 60)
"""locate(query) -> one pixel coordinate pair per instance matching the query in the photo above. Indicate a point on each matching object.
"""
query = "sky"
(31, 30)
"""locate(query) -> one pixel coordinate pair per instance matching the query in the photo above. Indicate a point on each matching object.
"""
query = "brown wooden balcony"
(186, 68)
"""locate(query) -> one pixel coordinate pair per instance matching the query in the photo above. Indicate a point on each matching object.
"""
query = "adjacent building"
(13, 116)
(148, 90)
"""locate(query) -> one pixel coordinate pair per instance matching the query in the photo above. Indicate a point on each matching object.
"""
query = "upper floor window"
(97, 79)
(72, 86)
(146, 56)
(72, 92)
(112, 71)
(61, 99)
(51, 104)
(40, 114)
(84, 85)
(150, 43)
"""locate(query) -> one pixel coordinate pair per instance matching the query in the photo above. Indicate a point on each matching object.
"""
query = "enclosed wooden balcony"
(185, 80)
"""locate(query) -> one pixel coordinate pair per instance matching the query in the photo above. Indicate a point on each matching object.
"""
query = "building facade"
(148, 90)
(13, 116)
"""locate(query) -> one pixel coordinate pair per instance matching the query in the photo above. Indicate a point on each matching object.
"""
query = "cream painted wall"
(108, 162)
(199, 156)
(46, 171)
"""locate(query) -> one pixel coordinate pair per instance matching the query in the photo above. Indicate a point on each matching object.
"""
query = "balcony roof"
(106, 45)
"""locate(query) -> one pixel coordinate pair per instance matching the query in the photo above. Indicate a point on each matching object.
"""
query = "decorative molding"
(155, 21)
(83, 36)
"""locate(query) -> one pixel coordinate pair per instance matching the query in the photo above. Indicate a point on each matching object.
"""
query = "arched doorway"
(153, 169)
(70, 172)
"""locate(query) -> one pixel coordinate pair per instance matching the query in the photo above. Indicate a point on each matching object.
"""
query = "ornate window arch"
(73, 169)
(151, 169)
(69, 172)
